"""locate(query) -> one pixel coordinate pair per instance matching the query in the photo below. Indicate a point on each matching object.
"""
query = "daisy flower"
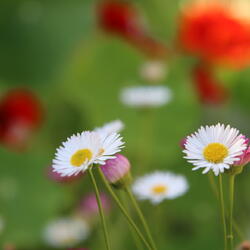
(159, 186)
(82, 150)
(111, 127)
(145, 96)
(214, 148)
(66, 232)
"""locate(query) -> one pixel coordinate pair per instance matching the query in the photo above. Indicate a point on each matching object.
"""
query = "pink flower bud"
(183, 142)
(89, 206)
(117, 171)
(245, 157)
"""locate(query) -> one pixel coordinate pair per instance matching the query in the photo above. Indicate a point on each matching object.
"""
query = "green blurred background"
(55, 48)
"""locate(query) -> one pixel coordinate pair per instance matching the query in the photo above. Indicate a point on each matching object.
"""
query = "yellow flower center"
(159, 189)
(80, 156)
(215, 152)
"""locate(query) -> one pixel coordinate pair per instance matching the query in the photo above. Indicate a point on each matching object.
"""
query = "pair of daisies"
(81, 151)
(215, 148)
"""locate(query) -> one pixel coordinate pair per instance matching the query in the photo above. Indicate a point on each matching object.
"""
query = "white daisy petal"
(111, 127)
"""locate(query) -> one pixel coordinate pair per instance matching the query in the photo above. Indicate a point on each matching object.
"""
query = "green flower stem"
(213, 184)
(222, 207)
(141, 216)
(123, 210)
(97, 194)
(231, 204)
(216, 193)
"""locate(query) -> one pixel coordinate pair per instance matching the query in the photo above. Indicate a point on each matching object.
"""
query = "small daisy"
(111, 127)
(82, 150)
(66, 232)
(146, 96)
(159, 186)
(214, 148)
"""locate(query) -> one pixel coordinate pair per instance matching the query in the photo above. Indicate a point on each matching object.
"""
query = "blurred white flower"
(111, 127)
(66, 232)
(146, 96)
(153, 71)
(214, 148)
(82, 150)
(159, 186)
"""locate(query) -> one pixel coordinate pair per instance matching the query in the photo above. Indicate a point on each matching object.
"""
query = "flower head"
(117, 171)
(214, 31)
(66, 232)
(214, 148)
(158, 186)
(146, 96)
(111, 127)
(82, 150)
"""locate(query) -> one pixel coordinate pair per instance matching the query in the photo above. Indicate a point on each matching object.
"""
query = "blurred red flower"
(215, 33)
(208, 88)
(20, 114)
(122, 19)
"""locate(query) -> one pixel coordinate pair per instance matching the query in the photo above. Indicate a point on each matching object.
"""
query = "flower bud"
(245, 157)
(117, 171)
(183, 142)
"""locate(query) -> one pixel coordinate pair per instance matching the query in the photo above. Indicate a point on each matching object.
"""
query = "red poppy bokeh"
(122, 19)
(20, 114)
(208, 89)
(215, 34)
